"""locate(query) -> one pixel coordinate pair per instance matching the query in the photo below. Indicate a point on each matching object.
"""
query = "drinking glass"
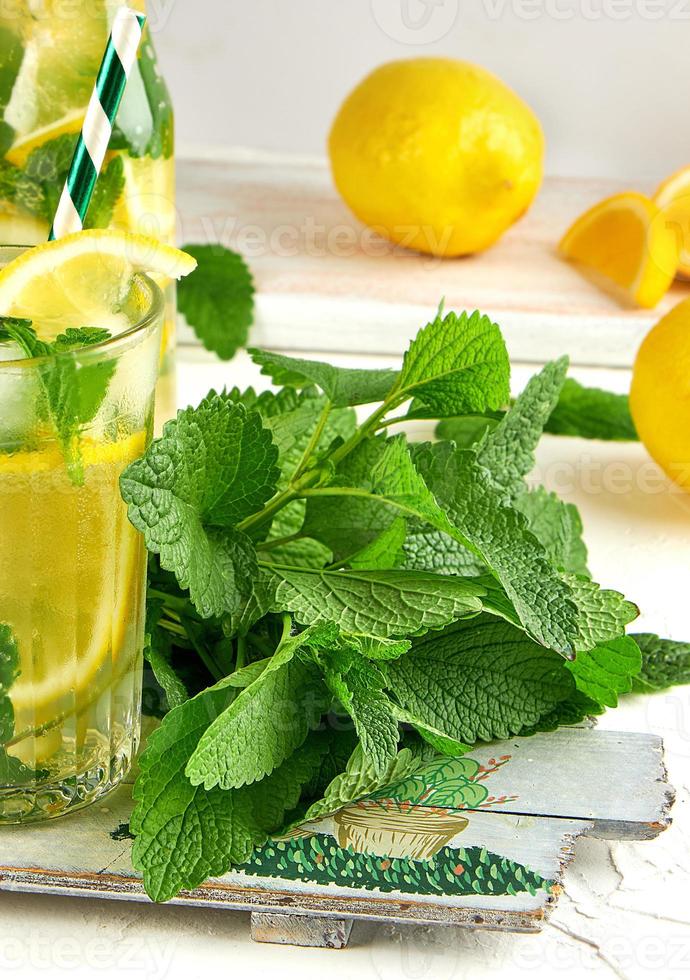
(72, 568)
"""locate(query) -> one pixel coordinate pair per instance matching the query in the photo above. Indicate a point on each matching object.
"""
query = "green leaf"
(21, 190)
(607, 671)
(603, 613)
(507, 451)
(375, 603)
(557, 526)
(500, 537)
(73, 389)
(358, 685)
(483, 679)
(342, 386)
(664, 663)
(184, 833)
(292, 432)
(386, 551)
(217, 300)
(158, 652)
(269, 719)
(437, 739)
(465, 431)
(48, 166)
(592, 414)
(213, 466)
(9, 671)
(457, 365)
(109, 188)
(429, 550)
(376, 484)
(12, 771)
(12, 57)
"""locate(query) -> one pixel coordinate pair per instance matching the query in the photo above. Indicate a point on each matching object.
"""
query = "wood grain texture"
(326, 283)
(547, 791)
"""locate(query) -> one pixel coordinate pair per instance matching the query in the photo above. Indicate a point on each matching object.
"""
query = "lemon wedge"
(625, 242)
(20, 151)
(673, 198)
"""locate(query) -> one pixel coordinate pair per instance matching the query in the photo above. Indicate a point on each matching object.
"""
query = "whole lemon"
(438, 155)
(660, 393)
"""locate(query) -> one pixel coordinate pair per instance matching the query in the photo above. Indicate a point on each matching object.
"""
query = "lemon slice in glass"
(83, 279)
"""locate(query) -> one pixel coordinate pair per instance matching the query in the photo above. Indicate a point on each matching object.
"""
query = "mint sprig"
(72, 391)
(360, 605)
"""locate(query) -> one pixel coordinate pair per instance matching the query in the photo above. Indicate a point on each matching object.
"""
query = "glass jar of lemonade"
(50, 52)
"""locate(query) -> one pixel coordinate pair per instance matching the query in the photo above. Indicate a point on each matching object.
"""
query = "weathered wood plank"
(490, 853)
(327, 284)
(300, 930)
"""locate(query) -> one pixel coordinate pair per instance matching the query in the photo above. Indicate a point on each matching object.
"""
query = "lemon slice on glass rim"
(82, 278)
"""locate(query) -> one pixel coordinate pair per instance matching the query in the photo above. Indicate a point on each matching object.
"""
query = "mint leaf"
(74, 390)
(386, 551)
(436, 739)
(9, 671)
(12, 57)
(48, 166)
(482, 679)
(375, 603)
(12, 771)
(359, 687)
(500, 538)
(457, 365)
(603, 613)
(217, 299)
(466, 431)
(21, 190)
(558, 528)
(269, 719)
(592, 413)
(184, 833)
(607, 671)
(507, 451)
(429, 550)
(213, 466)
(379, 484)
(664, 663)
(342, 386)
(108, 190)
(292, 432)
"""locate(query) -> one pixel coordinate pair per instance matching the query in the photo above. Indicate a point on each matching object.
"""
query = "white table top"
(625, 911)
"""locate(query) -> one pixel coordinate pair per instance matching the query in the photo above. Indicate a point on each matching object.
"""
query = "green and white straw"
(94, 138)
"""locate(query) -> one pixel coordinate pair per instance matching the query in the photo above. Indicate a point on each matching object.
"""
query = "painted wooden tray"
(481, 841)
(326, 283)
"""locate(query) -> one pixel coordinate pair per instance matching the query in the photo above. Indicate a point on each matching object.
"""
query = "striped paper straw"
(94, 138)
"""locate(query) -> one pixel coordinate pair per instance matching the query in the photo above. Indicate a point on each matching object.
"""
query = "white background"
(608, 78)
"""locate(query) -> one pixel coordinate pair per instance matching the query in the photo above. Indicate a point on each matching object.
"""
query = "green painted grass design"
(453, 871)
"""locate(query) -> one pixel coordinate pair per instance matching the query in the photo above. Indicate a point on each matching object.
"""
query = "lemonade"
(71, 589)
(80, 331)
(50, 52)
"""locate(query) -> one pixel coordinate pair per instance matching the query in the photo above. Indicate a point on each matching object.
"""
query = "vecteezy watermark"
(415, 21)
(588, 10)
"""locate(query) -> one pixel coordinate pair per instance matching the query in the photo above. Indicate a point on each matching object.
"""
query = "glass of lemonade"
(50, 52)
(72, 568)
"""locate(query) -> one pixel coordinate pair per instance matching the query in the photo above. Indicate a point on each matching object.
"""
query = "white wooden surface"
(625, 908)
(326, 283)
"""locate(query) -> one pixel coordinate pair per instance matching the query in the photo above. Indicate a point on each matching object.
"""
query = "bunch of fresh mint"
(331, 607)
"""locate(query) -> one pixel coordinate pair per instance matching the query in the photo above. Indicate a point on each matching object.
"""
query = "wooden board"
(326, 283)
(481, 841)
